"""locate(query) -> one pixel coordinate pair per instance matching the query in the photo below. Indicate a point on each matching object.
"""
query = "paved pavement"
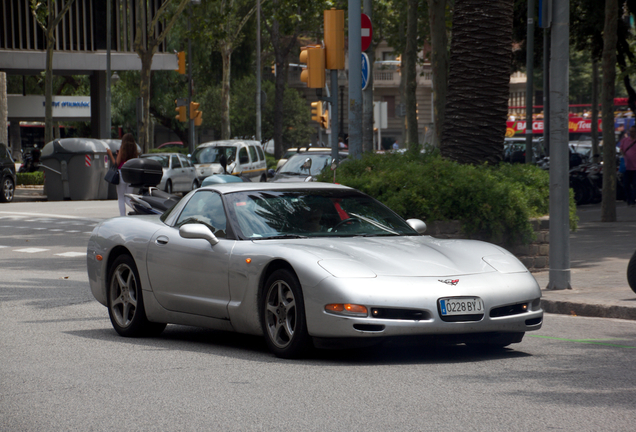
(599, 253)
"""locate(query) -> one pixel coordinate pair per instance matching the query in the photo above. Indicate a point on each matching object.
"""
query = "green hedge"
(493, 203)
(33, 178)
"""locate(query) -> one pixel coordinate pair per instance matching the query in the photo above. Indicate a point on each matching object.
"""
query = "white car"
(178, 173)
(244, 158)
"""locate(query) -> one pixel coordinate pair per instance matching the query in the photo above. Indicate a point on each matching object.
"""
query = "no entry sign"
(366, 31)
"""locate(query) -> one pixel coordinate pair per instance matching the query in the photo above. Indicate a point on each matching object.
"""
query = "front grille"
(461, 318)
(400, 314)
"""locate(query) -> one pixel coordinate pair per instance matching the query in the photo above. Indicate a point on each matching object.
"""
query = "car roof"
(225, 188)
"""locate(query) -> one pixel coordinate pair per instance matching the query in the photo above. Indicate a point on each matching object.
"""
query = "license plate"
(461, 306)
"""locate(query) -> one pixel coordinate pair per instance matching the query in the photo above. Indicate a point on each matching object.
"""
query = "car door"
(189, 174)
(178, 175)
(191, 275)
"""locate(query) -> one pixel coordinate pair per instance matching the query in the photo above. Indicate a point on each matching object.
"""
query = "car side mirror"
(307, 164)
(198, 231)
(417, 225)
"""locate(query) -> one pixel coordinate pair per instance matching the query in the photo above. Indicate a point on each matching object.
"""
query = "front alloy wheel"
(8, 190)
(283, 316)
(125, 301)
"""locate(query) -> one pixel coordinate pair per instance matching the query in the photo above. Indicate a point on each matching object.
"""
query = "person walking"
(628, 151)
(127, 151)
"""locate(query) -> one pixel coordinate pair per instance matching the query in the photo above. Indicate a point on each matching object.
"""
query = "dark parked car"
(7, 164)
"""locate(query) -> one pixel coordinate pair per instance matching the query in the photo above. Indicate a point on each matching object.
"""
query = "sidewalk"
(599, 253)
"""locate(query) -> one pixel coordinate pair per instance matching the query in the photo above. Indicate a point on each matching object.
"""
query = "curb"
(588, 310)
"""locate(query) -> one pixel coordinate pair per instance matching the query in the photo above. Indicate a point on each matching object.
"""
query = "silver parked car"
(179, 174)
(305, 166)
(305, 264)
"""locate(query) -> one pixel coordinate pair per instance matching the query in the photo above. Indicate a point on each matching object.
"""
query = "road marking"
(31, 250)
(71, 254)
(586, 341)
(43, 215)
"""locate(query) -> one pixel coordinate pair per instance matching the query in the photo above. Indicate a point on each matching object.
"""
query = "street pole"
(334, 116)
(559, 155)
(529, 80)
(367, 93)
(258, 70)
(106, 134)
(191, 122)
(355, 79)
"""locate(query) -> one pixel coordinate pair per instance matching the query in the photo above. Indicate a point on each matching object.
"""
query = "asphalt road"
(63, 367)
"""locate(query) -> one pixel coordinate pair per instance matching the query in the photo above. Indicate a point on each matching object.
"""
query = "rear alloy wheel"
(283, 315)
(125, 301)
(8, 190)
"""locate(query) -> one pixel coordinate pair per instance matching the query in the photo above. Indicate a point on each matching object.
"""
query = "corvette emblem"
(452, 282)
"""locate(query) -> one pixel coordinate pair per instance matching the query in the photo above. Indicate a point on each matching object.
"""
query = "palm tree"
(478, 86)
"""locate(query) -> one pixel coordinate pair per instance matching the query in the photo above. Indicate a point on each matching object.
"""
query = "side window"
(243, 158)
(185, 162)
(175, 162)
(261, 156)
(253, 154)
(205, 207)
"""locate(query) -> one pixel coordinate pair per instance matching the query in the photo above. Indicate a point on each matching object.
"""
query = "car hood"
(411, 256)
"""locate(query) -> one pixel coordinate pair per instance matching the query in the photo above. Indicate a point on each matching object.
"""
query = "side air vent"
(509, 310)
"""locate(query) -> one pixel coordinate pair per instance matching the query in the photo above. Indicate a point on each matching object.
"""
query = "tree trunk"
(226, 53)
(410, 90)
(48, 87)
(595, 78)
(608, 206)
(144, 87)
(439, 63)
(479, 82)
(279, 96)
(4, 111)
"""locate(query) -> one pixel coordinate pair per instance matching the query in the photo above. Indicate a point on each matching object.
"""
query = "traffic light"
(274, 69)
(324, 120)
(334, 39)
(195, 114)
(316, 111)
(314, 73)
(181, 112)
(181, 62)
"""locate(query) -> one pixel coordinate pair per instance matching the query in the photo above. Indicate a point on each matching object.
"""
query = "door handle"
(162, 240)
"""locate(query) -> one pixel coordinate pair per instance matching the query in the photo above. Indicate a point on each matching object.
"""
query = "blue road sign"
(365, 71)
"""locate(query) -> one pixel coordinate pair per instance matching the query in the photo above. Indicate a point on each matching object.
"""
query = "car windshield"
(205, 155)
(298, 165)
(312, 213)
(162, 159)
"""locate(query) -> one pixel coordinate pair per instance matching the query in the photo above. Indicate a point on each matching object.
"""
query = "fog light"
(347, 309)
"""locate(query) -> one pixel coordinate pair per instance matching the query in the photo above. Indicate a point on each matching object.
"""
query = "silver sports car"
(305, 264)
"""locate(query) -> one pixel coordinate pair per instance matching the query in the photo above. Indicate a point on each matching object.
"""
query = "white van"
(244, 158)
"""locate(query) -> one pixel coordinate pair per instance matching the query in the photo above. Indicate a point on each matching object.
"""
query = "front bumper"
(409, 306)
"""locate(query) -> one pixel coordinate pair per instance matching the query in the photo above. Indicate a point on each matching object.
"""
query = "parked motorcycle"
(145, 174)
(30, 161)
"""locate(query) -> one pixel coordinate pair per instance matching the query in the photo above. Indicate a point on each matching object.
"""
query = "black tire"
(195, 185)
(283, 315)
(631, 272)
(125, 301)
(169, 187)
(8, 190)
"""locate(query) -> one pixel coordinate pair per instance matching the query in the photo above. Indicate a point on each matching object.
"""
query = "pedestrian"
(127, 151)
(396, 145)
(628, 151)
(341, 143)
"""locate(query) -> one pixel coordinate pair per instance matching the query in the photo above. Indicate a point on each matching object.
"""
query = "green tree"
(46, 17)
(221, 23)
(146, 43)
(284, 21)
(478, 87)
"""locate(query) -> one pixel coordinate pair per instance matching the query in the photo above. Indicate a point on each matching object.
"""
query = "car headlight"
(505, 263)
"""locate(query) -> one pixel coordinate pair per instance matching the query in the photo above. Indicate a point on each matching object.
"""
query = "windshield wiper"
(282, 236)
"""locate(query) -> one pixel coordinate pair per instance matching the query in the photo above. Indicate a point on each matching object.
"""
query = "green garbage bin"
(74, 169)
